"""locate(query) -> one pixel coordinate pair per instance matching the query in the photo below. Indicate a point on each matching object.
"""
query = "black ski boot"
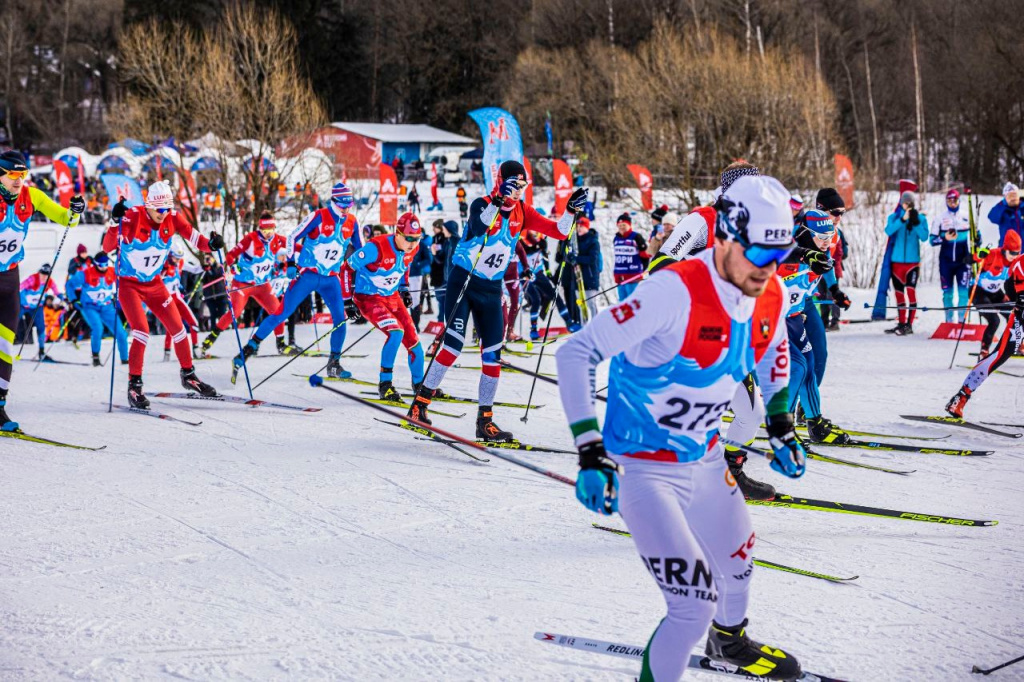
(436, 393)
(904, 330)
(895, 330)
(821, 430)
(731, 644)
(210, 339)
(96, 362)
(487, 430)
(136, 398)
(420, 404)
(193, 383)
(248, 350)
(6, 423)
(751, 489)
(388, 392)
(281, 345)
(334, 368)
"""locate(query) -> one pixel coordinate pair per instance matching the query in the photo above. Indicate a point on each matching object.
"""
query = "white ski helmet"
(159, 196)
(754, 211)
(177, 250)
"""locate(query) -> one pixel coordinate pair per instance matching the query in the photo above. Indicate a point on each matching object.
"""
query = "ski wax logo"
(766, 328)
(675, 576)
(625, 311)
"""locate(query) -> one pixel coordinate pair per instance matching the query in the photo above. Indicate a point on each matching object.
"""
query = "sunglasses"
(837, 212)
(762, 256)
(161, 211)
(17, 175)
(822, 235)
(411, 239)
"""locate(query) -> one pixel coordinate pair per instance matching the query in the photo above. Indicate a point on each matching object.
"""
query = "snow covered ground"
(269, 545)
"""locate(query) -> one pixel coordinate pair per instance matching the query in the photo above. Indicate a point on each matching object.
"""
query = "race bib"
(10, 245)
(687, 415)
(261, 270)
(386, 283)
(146, 261)
(328, 255)
(493, 259)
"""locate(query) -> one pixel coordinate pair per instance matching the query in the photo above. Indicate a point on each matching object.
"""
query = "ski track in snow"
(268, 544)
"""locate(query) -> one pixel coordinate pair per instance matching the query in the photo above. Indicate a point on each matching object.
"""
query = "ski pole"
(963, 324)
(299, 354)
(46, 283)
(551, 312)
(317, 382)
(629, 280)
(238, 337)
(59, 334)
(368, 331)
(983, 306)
(117, 318)
(976, 669)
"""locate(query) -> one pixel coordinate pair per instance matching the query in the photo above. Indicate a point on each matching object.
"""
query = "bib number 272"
(684, 411)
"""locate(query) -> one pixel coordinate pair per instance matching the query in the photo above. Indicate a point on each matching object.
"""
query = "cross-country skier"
(18, 203)
(809, 262)
(254, 258)
(171, 275)
(328, 236)
(951, 233)
(992, 286)
(94, 284)
(32, 313)
(382, 295)
(1009, 343)
(479, 263)
(144, 242)
(679, 348)
(540, 290)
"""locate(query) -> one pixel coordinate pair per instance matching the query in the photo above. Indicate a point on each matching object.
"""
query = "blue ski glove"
(790, 457)
(502, 197)
(597, 486)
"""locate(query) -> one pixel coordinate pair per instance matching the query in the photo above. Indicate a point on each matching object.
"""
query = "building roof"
(405, 132)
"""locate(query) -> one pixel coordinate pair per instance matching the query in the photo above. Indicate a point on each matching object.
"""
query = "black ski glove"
(820, 262)
(839, 298)
(77, 204)
(119, 210)
(577, 200)
(351, 311)
(216, 242)
(406, 298)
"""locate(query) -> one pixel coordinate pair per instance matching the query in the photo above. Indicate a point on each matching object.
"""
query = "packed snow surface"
(267, 544)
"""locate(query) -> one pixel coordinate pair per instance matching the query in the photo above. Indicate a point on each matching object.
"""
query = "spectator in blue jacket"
(589, 261)
(951, 233)
(1007, 213)
(908, 228)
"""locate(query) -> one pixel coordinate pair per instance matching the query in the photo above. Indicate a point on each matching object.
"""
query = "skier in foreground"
(144, 242)
(18, 203)
(680, 346)
(380, 271)
(482, 256)
(1009, 343)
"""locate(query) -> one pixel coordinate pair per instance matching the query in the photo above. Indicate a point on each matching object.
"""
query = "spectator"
(460, 194)
(1007, 213)
(668, 223)
(908, 228)
(656, 218)
(951, 233)
(419, 274)
(444, 248)
(630, 255)
(414, 199)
